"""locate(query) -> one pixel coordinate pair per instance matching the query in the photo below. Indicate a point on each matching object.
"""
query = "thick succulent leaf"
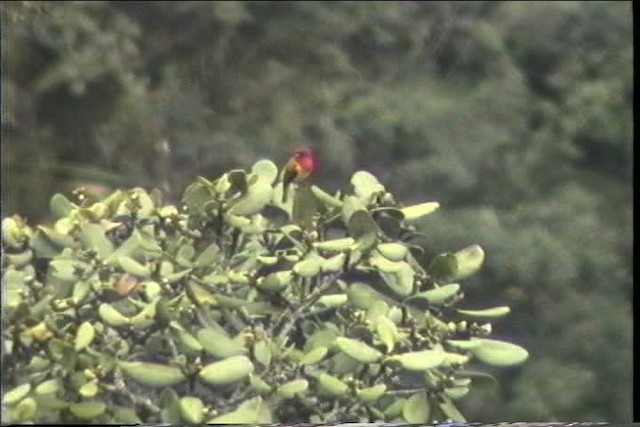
(266, 170)
(87, 410)
(486, 313)
(419, 360)
(499, 353)
(366, 186)
(152, 374)
(227, 371)
(371, 394)
(416, 409)
(414, 212)
(292, 388)
(192, 409)
(84, 335)
(256, 198)
(60, 206)
(469, 261)
(252, 411)
(393, 251)
(434, 296)
(358, 350)
(217, 343)
(326, 198)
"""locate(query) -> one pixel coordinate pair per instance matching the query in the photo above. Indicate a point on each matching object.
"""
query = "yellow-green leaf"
(152, 374)
(84, 335)
(358, 350)
(227, 371)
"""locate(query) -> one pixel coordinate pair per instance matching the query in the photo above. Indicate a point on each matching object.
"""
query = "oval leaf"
(84, 336)
(469, 261)
(227, 371)
(419, 360)
(499, 353)
(152, 374)
(358, 350)
(416, 409)
(414, 212)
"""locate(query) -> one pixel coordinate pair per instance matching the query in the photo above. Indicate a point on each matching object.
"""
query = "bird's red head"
(306, 159)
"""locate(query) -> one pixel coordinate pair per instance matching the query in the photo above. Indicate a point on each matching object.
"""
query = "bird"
(301, 164)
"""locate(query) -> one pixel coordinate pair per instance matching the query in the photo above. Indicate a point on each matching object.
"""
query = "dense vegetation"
(515, 116)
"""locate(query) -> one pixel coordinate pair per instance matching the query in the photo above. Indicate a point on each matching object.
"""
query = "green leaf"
(435, 296)
(333, 300)
(133, 267)
(251, 203)
(419, 360)
(124, 415)
(486, 313)
(314, 356)
(192, 409)
(335, 245)
(87, 410)
(262, 353)
(185, 338)
(252, 411)
(358, 350)
(387, 332)
(292, 388)
(93, 237)
(366, 186)
(309, 267)
(208, 256)
(363, 229)
(88, 389)
(26, 410)
(371, 394)
(416, 409)
(84, 335)
(259, 385)
(217, 343)
(333, 264)
(469, 261)
(362, 296)
(393, 251)
(332, 385)
(395, 408)
(197, 195)
(16, 394)
(111, 316)
(152, 374)
(47, 387)
(414, 212)
(227, 371)
(499, 353)
(305, 205)
(276, 281)
(60, 206)
(266, 170)
(456, 393)
(465, 344)
(326, 198)
(80, 292)
(449, 410)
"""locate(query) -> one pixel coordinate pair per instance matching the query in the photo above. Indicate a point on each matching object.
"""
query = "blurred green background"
(515, 116)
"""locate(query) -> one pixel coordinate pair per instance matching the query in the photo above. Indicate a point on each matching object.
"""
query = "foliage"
(237, 308)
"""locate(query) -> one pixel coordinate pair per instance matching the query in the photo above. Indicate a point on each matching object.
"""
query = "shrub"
(238, 308)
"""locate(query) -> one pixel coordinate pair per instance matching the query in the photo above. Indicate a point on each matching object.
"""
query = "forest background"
(515, 116)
